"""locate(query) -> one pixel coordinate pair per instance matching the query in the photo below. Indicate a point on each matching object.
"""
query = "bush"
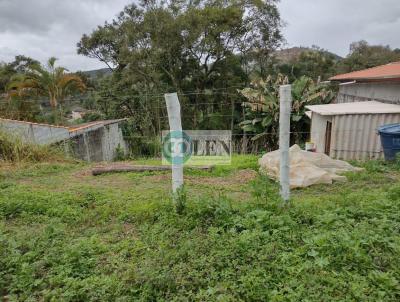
(144, 146)
(119, 154)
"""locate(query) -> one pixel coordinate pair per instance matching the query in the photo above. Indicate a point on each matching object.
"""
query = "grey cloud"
(42, 15)
(44, 28)
(334, 24)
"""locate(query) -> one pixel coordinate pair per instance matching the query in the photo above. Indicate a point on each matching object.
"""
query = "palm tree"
(51, 81)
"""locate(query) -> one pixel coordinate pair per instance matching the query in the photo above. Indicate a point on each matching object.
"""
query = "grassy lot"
(68, 236)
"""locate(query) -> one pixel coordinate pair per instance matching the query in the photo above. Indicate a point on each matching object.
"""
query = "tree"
(198, 46)
(262, 108)
(363, 55)
(50, 81)
(18, 66)
(166, 39)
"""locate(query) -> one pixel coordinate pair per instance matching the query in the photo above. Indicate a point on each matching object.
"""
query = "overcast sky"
(45, 28)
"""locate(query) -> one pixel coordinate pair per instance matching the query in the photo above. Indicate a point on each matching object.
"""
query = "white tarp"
(306, 168)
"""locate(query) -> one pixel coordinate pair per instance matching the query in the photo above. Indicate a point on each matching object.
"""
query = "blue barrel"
(390, 139)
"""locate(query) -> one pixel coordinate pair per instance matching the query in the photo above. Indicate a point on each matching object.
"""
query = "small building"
(95, 141)
(367, 99)
(349, 130)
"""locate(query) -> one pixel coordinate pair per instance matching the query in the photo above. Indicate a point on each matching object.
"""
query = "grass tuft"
(14, 150)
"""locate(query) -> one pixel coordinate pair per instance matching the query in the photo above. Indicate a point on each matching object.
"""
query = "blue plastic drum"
(390, 139)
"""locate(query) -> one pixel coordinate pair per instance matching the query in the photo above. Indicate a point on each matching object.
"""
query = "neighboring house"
(367, 99)
(380, 83)
(95, 141)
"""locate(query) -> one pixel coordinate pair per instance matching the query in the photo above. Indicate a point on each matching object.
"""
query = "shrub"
(119, 154)
(13, 149)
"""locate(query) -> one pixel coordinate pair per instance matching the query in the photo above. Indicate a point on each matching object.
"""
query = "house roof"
(371, 107)
(390, 71)
(95, 124)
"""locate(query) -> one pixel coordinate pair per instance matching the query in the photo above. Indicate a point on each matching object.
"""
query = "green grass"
(68, 236)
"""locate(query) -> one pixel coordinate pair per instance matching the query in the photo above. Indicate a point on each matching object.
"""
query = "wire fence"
(220, 101)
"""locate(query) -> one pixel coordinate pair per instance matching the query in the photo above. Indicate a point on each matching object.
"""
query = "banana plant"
(262, 107)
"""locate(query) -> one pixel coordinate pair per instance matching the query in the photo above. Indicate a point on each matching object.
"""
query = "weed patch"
(14, 150)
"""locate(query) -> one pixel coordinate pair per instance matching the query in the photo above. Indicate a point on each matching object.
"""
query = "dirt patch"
(245, 175)
(83, 173)
(238, 178)
(159, 177)
(235, 179)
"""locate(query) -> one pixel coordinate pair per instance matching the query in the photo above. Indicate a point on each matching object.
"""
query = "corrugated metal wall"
(354, 136)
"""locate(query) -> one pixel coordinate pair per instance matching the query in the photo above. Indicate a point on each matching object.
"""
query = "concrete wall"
(99, 144)
(359, 92)
(114, 138)
(318, 130)
(96, 143)
(35, 133)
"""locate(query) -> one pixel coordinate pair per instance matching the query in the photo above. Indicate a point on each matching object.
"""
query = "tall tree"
(186, 46)
(19, 66)
(171, 38)
(363, 55)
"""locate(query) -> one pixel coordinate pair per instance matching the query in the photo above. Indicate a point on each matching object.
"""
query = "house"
(95, 141)
(367, 99)
(380, 84)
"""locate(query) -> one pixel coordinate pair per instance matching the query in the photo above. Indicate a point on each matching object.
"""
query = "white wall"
(358, 92)
(318, 129)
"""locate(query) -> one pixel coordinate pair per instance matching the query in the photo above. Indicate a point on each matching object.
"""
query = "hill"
(290, 54)
(97, 72)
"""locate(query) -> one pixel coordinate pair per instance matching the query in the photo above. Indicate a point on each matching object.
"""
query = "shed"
(349, 130)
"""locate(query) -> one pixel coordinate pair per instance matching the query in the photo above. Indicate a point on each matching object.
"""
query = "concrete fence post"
(175, 124)
(285, 93)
